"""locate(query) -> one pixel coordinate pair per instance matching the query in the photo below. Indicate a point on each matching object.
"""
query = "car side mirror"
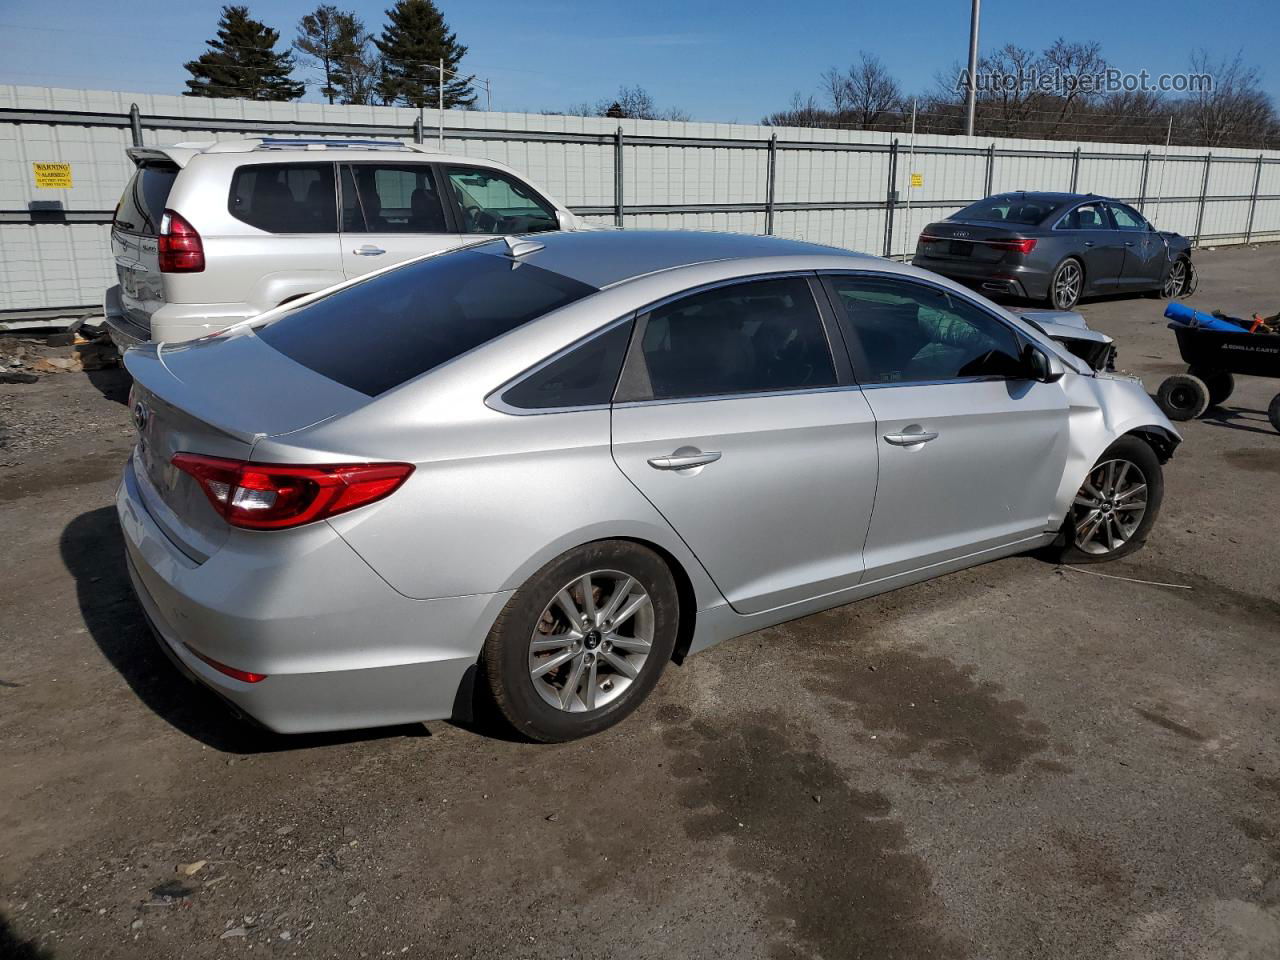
(564, 221)
(1042, 366)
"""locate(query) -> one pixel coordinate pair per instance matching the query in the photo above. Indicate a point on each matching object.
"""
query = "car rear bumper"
(340, 649)
(1018, 280)
(171, 322)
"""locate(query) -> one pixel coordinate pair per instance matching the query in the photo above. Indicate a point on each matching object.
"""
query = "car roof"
(603, 258)
(1053, 196)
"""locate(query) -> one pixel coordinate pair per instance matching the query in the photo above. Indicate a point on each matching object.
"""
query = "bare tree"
(1234, 110)
(1077, 64)
(630, 103)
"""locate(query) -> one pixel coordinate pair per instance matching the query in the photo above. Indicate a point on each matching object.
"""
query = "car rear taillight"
(268, 496)
(1016, 245)
(179, 246)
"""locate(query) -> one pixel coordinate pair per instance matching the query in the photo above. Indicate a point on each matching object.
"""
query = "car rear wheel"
(1066, 284)
(1220, 384)
(583, 641)
(1116, 506)
(1183, 397)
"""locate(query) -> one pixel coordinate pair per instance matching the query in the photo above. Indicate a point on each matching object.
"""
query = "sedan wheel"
(583, 641)
(591, 641)
(1176, 280)
(1116, 505)
(1066, 285)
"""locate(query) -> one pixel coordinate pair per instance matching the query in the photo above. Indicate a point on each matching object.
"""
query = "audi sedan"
(1056, 247)
(548, 467)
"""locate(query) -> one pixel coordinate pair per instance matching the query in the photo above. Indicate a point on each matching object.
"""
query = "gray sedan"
(549, 466)
(1056, 247)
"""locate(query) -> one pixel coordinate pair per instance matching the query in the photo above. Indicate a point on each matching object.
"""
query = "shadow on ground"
(15, 947)
(93, 550)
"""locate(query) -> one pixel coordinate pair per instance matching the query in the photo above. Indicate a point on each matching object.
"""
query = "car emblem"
(961, 233)
(140, 416)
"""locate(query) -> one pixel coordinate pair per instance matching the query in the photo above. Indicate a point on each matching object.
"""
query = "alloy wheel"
(591, 641)
(1066, 285)
(1177, 278)
(1109, 507)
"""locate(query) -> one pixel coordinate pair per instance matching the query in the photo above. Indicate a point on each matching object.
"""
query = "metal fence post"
(770, 186)
(1075, 169)
(1142, 190)
(891, 198)
(1253, 200)
(1204, 191)
(417, 130)
(617, 179)
(991, 169)
(135, 124)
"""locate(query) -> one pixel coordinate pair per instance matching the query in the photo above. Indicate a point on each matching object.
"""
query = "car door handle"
(909, 439)
(1128, 243)
(368, 250)
(684, 461)
(1088, 243)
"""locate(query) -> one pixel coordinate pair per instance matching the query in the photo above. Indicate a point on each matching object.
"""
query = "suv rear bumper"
(172, 322)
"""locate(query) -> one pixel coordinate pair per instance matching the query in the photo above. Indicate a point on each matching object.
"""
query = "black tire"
(1160, 293)
(505, 661)
(1273, 412)
(1139, 454)
(1220, 383)
(1183, 397)
(1057, 299)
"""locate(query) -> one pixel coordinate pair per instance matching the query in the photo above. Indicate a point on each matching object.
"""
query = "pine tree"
(318, 39)
(413, 43)
(242, 62)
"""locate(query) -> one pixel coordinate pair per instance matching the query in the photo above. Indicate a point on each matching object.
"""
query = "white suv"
(208, 234)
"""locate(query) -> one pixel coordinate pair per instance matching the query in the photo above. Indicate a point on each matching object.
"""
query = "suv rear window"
(1016, 208)
(285, 197)
(144, 199)
(398, 325)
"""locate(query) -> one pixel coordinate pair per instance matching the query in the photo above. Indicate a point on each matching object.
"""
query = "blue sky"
(716, 60)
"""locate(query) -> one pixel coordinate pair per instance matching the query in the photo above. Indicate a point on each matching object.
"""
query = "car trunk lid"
(971, 241)
(217, 396)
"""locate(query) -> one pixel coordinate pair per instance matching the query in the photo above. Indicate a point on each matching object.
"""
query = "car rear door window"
(1087, 216)
(285, 197)
(584, 376)
(752, 337)
(397, 325)
(906, 332)
(391, 198)
(495, 203)
(142, 205)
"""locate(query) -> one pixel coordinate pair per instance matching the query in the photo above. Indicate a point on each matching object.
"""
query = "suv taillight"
(180, 247)
(268, 496)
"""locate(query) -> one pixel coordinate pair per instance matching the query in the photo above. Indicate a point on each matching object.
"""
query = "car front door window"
(494, 203)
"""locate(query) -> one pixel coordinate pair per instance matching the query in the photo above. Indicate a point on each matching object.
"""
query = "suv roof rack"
(319, 143)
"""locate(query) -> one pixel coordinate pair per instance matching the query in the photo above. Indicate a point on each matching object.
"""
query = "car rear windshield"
(144, 199)
(1016, 208)
(396, 326)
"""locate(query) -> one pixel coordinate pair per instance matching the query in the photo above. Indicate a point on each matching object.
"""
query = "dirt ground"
(1018, 761)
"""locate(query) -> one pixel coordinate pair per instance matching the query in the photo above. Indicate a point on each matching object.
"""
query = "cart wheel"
(1220, 383)
(1183, 397)
(1273, 412)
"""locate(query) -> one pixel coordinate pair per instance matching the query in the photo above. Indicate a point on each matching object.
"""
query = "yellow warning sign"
(52, 176)
(917, 179)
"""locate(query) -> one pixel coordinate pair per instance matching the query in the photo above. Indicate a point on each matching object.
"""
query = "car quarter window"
(1087, 216)
(285, 197)
(583, 376)
(751, 337)
(901, 331)
(391, 198)
(1127, 218)
(495, 203)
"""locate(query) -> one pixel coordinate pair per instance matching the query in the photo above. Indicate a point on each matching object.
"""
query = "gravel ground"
(1015, 761)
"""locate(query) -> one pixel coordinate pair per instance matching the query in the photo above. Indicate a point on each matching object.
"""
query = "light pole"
(973, 66)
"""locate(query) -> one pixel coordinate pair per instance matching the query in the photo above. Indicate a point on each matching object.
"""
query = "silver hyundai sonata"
(547, 467)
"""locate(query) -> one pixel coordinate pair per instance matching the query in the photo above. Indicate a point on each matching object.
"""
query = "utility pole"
(441, 101)
(973, 66)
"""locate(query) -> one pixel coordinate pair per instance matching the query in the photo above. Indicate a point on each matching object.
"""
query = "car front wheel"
(581, 644)
(1116, 506)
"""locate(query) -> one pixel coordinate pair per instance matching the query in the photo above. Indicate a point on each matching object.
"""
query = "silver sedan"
(549, 466)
